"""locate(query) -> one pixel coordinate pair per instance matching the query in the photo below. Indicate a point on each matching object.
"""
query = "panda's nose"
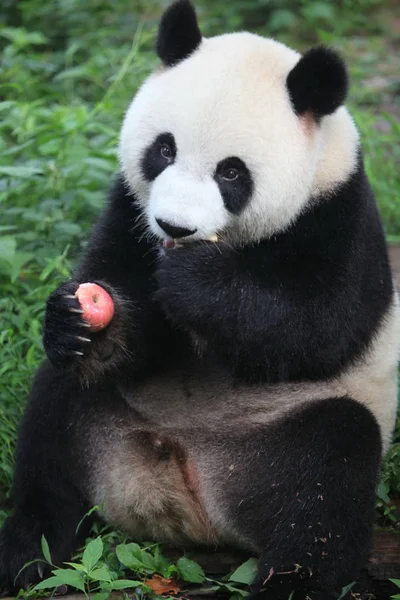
(173, 231)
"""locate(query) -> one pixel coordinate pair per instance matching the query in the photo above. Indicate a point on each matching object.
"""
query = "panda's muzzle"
(173, 231)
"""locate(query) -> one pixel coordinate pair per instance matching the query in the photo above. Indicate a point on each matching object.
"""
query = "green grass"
(68, 71)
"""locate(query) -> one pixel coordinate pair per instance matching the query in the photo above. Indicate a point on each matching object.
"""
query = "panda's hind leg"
(303, 496)
(46, 494)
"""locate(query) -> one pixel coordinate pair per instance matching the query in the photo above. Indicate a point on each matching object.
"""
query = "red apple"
(97, 305)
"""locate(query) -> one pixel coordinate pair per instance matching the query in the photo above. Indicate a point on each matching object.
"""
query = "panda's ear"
(179, 34)
(318, 83)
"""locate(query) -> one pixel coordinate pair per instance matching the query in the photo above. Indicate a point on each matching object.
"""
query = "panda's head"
(234, 135)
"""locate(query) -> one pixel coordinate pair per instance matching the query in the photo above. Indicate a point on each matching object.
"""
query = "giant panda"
(245, 391)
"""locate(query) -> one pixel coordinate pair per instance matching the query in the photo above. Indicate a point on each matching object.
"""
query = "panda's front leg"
(208, 289)
(307, 502)
(195, 286)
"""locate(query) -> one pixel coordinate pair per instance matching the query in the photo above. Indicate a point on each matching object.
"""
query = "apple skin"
(97, 305)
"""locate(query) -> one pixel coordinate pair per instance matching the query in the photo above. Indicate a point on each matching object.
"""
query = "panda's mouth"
(171, 243)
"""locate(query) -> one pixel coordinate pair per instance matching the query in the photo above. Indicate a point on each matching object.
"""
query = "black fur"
(318, 83)
(235, 194)
(311, 521)
(179, 34)
(301, 305)
(153, 162)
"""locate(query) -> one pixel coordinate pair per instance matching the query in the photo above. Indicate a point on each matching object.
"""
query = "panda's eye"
(158, 156)
(230, 174)
(235, 183)
(166, 152)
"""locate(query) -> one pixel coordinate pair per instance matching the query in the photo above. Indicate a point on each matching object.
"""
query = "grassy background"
(69, 69)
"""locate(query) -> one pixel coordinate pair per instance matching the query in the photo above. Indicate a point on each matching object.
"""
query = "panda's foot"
(22, 562)
(10, 584)
(293, 583)
(18, 547)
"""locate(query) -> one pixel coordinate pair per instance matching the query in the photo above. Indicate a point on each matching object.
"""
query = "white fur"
(373, 380)
(230, 99)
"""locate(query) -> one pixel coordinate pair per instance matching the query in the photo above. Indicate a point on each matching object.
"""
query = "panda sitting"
(244, 392)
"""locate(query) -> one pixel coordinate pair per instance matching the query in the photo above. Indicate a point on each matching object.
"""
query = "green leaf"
(20, 171)
(7, 249)
(396, 582)
(100, 596)
(245, 573)
(20, 259)
(70, 577)
(148, 561)
(123, 584)
(45, 549)
(6, 104)
(346, 589)
(169, 571)
(233, 590)
(190, 571)
(381, 492)
(51, 266)
(76, 566)
(130, 555)
(51, 582)
(162, 564)
(92, 553)
(102, 574)
(96, 507)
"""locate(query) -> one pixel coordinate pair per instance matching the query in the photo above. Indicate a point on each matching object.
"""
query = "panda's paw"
(11, 584)
(14, 575)
(66, 336)
(187, 277)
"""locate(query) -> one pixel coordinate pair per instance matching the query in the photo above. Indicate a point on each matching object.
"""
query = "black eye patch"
(235, 183)
(158, 156)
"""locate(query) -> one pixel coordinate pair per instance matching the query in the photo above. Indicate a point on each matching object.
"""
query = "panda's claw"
(70, 297)
(84, 324)
(75, 310)
(77, 352)
(82, 339)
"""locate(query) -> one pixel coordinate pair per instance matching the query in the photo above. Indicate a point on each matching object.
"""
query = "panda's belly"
(152, 478)
(203, 397)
